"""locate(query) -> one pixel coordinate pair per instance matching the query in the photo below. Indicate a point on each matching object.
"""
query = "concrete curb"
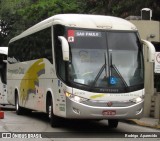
(141, 123)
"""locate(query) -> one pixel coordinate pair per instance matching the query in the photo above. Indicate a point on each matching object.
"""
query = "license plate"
(109, 112)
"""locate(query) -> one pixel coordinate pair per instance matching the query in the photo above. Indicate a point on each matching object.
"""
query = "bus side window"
(41, 46)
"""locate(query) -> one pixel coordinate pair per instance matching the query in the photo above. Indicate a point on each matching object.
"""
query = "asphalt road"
(77, 130)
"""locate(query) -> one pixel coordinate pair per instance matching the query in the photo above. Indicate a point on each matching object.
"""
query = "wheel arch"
(49, 95)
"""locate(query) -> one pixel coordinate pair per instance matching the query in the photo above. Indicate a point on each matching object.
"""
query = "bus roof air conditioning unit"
(146, 14)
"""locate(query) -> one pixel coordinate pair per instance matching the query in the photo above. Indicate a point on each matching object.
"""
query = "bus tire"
(19, 109)
(54, 120)
(112, 123)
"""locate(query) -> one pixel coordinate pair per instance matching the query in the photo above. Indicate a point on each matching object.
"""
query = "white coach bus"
(3, 70)
(78, 67)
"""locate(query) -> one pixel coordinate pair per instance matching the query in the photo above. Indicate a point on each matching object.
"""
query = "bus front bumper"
(77, 110)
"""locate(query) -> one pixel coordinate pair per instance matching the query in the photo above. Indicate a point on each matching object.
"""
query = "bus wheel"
(112, 123)
(54, 120)
(19, 110)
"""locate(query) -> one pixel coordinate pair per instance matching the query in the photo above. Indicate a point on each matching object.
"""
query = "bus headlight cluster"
(75, 97)
(137, 100)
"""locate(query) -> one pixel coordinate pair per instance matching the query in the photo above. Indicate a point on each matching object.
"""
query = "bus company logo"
(71, 39)
(109, 104)
(71, 35)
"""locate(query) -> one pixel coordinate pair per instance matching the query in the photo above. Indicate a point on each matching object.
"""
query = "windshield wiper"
(98, 75)
(100, 72)
(117, 71)
(104, 67)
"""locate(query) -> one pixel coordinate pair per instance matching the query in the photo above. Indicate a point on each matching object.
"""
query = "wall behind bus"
(149, 30)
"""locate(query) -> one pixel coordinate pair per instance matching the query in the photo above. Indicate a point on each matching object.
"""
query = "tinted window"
(34, 46)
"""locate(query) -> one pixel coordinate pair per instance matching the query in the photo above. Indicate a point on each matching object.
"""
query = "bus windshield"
(105, 59)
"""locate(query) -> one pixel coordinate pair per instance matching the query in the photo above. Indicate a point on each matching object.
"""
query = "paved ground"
(72, 130)
(147, 122)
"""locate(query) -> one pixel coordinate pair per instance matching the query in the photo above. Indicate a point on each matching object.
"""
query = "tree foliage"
(121, 8)
(42, 9)
(9, 19)
(18, 15)
(22, 14)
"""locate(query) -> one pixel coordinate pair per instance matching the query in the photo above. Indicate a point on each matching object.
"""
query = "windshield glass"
(105, 59)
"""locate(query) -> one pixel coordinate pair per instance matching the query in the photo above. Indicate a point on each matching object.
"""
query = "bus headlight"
(75, 97)
(136, 100)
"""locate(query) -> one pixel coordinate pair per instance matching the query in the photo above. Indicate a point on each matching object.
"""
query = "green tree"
(9, 19)
(19, 15)
(42, 9)
(120, 8)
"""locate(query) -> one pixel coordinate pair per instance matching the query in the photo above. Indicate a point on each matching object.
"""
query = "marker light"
(75, 98)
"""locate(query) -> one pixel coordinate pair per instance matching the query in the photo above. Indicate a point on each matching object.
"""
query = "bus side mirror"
(150, 50)
(5, 61)
(65, 48)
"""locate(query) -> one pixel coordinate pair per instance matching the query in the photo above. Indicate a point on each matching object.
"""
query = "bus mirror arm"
(150, 50)
(65, 48)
